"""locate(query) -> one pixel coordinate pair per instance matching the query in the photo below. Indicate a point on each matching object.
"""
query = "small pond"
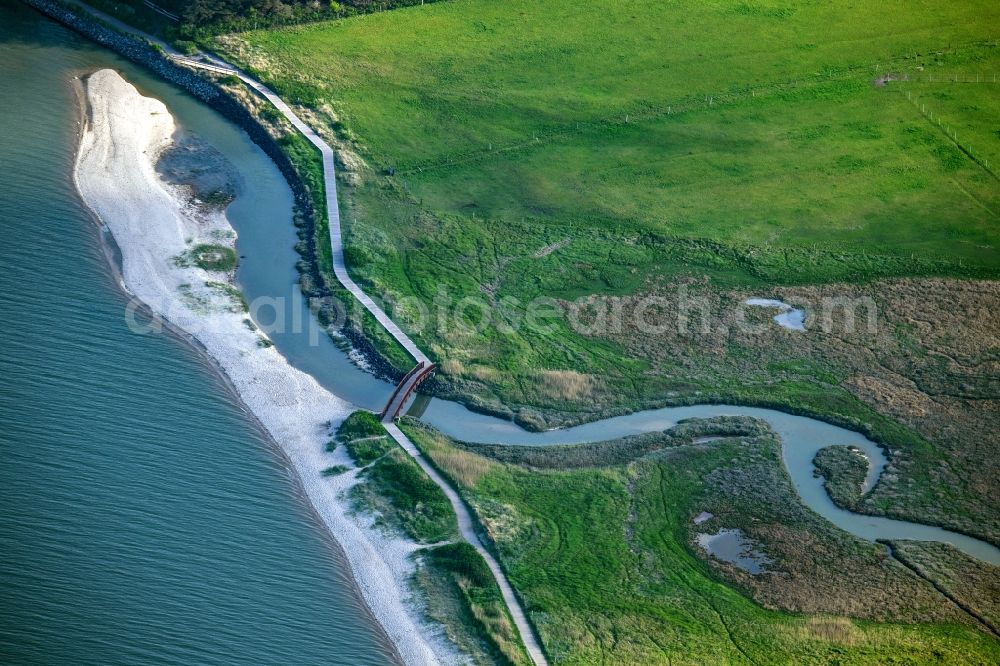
(731, 545)
(788, 317)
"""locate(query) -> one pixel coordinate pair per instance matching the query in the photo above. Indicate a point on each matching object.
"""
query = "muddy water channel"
(263, 274)
(268, 277)
(801, 437)
(267, 270)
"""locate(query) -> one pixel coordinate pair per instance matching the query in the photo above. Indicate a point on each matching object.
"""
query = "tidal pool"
(731, 545)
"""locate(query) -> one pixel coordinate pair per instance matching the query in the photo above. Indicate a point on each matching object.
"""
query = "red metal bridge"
(421, 371)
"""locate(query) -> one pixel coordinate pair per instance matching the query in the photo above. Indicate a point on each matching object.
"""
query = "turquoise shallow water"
(143, 518)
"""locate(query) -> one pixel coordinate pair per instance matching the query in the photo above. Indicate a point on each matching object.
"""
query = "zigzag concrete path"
(466, 524)
(332, 206)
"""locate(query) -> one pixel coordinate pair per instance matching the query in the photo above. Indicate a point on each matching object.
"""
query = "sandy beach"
(153, 226)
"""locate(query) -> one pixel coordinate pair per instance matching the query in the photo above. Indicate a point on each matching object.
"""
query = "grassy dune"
(393, 487)
(453, 583)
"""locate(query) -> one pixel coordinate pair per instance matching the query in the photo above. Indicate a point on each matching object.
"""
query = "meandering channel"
(801, 437)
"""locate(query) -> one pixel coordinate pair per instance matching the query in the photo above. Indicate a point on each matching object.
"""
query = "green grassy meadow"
(510, 151)
(519, 150)
(739, 122)
(603, 560)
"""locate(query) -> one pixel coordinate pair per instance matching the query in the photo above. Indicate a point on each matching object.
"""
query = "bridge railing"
(405, 389)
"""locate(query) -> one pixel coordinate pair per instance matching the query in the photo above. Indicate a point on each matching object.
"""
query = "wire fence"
(682, 105)
(951, 134)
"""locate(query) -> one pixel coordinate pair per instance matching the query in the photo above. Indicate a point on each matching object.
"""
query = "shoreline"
(141, 51)
(112, 158)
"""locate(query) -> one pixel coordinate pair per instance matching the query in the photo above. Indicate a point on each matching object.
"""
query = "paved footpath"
(467, 528)
(214, 64)
(332, 207)
(466, 525)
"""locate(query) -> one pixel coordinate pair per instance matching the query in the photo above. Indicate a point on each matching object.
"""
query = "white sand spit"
(116, 177)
